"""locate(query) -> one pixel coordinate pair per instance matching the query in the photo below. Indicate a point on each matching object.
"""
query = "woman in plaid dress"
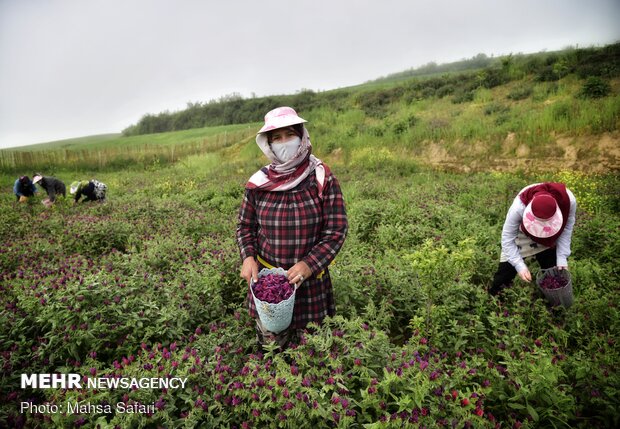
(292, 216)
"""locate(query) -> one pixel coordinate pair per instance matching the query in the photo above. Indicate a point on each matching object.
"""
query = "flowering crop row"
(147, 285)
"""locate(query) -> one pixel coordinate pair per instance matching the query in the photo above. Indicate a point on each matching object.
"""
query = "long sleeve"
(16, 190)
(510, 232)
(247, 227)
(564, 240)
(333, 233)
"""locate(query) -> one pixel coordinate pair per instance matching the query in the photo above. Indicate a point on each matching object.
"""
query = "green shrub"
(520, 93)
(595, 87)
(463, 97)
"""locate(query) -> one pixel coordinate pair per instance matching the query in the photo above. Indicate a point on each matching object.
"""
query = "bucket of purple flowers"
(556, 285)
(274, 298)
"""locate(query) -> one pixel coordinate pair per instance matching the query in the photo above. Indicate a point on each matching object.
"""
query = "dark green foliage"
(520, 93)
(463, 97)
(375, 103)
(595, 87)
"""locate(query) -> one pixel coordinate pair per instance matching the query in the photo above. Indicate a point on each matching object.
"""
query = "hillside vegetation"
(559, 110)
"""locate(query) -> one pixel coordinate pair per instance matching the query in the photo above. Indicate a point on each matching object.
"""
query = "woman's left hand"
(298, 273)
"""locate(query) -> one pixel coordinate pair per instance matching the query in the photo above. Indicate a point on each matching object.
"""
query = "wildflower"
(160, 404)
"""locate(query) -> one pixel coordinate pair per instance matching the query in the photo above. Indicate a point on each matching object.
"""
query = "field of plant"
(147, 285)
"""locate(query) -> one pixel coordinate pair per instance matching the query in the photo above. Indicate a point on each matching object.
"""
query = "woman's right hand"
(249, 269)
(525, 275)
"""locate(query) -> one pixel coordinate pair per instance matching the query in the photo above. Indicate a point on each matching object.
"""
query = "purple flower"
(160, 404)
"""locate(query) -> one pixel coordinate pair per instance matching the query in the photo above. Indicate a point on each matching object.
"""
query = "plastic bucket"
(274, 317)
(561, 296)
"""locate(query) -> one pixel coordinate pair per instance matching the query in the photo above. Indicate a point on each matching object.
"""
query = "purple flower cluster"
(273, 288)
(554, 282)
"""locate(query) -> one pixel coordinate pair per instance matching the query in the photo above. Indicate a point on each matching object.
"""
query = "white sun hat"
(279, 118)
(542, 217)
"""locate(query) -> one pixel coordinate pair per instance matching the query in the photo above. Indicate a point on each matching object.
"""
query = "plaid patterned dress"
(296, 225)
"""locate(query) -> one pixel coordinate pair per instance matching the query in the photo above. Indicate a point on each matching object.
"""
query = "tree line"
(456, 79)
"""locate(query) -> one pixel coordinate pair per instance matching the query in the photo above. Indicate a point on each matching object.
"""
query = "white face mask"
(286, 150)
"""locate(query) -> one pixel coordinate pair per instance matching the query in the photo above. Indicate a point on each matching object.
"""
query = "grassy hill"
(549, 110)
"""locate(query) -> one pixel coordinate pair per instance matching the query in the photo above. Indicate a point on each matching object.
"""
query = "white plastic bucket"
(274, 317)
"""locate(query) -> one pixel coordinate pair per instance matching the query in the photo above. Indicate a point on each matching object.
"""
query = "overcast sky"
(70, 68)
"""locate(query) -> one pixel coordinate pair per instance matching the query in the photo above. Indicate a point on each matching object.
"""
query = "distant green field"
(115, 151)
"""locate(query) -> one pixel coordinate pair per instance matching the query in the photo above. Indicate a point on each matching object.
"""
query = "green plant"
(595, 87)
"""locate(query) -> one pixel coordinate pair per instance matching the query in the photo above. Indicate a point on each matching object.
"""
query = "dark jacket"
(53, 186)
(88, 192)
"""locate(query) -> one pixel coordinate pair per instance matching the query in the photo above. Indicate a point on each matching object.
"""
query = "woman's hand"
(298, 273)
(562, 267)
(525, 275)
(249, 269)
